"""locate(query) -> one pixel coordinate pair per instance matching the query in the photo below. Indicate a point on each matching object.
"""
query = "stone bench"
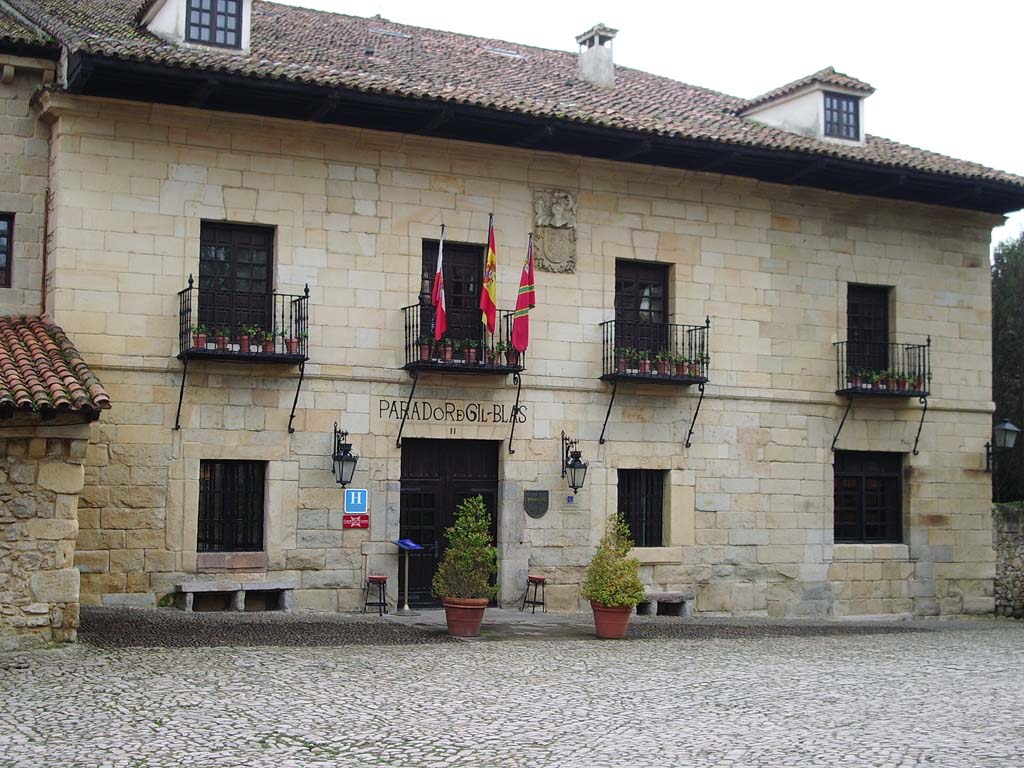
(667, 604)
(284, 590)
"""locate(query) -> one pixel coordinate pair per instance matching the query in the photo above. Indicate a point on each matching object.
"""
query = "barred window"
(231, 506)
(215, 22)
(641, 497)
(6, 248)
(868, 497)
(842, 116)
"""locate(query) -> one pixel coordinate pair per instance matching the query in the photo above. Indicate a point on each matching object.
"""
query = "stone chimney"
(596, 65)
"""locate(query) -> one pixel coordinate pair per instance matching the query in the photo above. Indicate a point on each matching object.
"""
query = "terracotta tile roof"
(378, 56)
(40, 369)
(826, 76)
(13, 31)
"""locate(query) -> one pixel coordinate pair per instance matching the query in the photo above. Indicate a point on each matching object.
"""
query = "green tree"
(471, 558)
(1008, 361)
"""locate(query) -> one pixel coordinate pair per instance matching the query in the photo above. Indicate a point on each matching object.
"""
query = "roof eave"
(108, 77)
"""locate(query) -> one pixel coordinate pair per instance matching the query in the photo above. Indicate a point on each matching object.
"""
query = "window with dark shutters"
(868, 497)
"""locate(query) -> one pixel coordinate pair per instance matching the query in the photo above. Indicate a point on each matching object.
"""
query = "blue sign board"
(357, 501)
(407, 544)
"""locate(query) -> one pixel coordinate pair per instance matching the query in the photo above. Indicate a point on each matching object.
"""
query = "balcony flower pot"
(424, 351)
(447, 351)
(471, 353)
(291, 345)
(620, 365)
(663, 367)
(645, 366)
(221, 341)
(268, 345)
(463, 579)
(512, 357)
(199, 341)
(612, 584)
(682, 369)
(244, 342)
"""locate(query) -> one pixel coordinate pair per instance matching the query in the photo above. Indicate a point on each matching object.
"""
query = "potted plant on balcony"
(245, 336)
(291, 343)
(855, 380)
(918, 383)
(199, 336)
(612, 584)
(664, 360)
(680, 364)
(471, 351)
(425, 343)
(511, 355)
(644, 360)
(463, 579)
(220, 337)
(900, 379)
(622, 356)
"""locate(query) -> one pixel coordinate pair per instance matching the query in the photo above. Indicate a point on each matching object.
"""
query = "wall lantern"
(1004, 437)
(344, 460)
(573, 466)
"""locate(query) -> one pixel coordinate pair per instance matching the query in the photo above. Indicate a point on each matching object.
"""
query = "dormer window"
(842, 116)
(214, 22)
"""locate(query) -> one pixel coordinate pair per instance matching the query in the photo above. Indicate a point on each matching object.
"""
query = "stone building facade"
(747, 485)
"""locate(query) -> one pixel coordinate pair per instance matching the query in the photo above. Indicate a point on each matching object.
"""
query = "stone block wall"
(24, 172)
(41, 475)
(1008, 534)
(750, 524)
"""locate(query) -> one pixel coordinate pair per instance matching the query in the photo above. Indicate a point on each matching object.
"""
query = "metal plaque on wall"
(535, 503)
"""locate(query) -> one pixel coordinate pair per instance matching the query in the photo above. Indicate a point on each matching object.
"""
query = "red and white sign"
(355, 521)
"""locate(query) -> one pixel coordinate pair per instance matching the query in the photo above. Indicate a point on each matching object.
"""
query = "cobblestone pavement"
(949, 697)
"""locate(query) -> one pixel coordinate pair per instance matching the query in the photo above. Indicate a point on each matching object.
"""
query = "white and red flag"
(437, 296)
(525, 301)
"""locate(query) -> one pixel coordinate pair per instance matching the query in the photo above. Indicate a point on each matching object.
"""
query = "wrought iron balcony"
(465, 348)
(246, 327)
(660, 353)
(883, 369)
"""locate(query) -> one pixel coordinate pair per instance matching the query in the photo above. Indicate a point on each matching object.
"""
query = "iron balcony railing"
(659, 352)
(233, 325)
(879, 368)
(465, 348)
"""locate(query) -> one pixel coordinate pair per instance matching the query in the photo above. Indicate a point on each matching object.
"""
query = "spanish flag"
(437, 294)
(524, 303)
(489, 291)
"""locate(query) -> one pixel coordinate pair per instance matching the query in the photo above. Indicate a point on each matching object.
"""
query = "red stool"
(534, 581)
(381, 603)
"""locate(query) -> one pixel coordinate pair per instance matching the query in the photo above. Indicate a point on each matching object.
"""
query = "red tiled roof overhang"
(41, 371)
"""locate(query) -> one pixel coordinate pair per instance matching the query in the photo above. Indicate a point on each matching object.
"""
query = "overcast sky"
(945, 73)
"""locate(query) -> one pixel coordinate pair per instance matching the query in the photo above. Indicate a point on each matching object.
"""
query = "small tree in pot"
(463, 580)
(612, 584)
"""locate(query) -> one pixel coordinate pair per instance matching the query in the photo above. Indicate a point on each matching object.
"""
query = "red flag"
(488, 292)
(437, 296)
(524, 303)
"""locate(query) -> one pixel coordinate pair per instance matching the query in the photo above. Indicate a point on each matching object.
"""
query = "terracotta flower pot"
(622, 365)
(199, 340)
(268, 346)
(221, 341)
(471, 355)
(424, 351)
(663, 367)
(512, 357)
(448, 351)
(243, 343)
(464, 615)
(645, 366)
(611, 621)
(681, 369)
(291, 345)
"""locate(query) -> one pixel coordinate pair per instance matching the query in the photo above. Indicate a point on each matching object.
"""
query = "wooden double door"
(437, 476)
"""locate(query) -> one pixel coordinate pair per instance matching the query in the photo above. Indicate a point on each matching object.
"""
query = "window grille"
(641, 499)
(215, 22)
(842, 116)
(231, 506)
(868, 497)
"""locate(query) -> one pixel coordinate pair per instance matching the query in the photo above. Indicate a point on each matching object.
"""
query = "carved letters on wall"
(554, 230)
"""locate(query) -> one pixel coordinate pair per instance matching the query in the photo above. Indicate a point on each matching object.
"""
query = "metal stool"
(381, 603)
(534, 581)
